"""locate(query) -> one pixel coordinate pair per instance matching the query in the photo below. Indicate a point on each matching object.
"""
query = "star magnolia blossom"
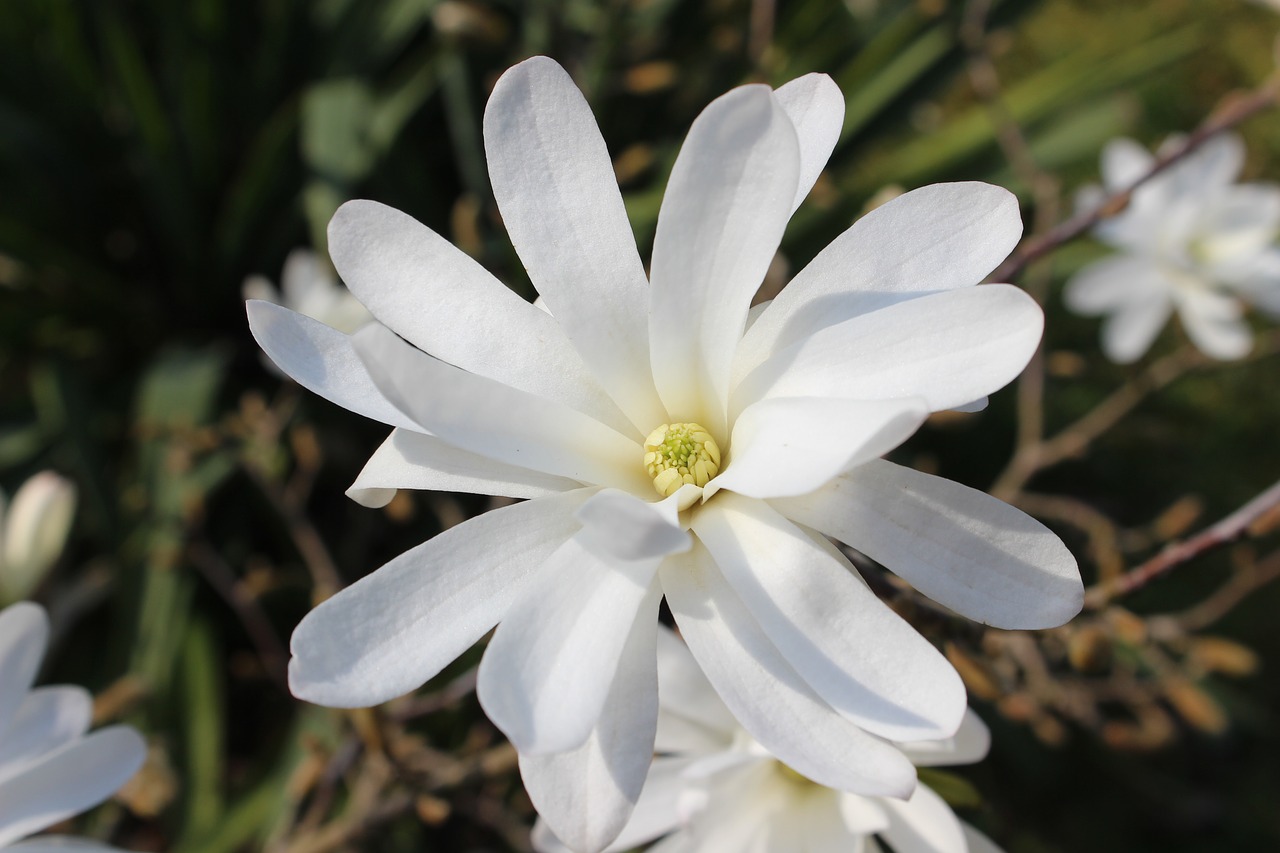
(717, 790)
(1192, 241)
(774, 432)
(49, 768)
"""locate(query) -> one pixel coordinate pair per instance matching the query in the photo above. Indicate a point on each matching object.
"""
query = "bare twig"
(1241, 585)
(1233, 111)
(1229, 529)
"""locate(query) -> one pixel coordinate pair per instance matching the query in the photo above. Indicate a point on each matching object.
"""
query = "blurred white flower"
(35, 528)
(715, 789)
(50, 769)
(309, 287)
(668, 449)
(1192, 241)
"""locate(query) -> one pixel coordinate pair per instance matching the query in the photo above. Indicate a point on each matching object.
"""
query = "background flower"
(1192, 241)
(714, 788)
(50, 769)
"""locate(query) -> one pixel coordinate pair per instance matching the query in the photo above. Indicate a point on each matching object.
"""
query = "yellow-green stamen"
(675, 454)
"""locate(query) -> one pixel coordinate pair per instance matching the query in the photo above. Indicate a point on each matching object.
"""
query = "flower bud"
(35, 530)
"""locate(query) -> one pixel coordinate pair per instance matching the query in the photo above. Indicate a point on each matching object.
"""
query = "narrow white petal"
(414, 460)
(862, 815)
(683, 689)
(620, 526)
(1213, 322)
(961, 547)
(548, 669)
(497, 421)
(48, 718)
(923, 824)
(431, 293)
(815, 106)
(1129, 332)
(391, 631)
(939, 237)
(24, 634)
(587, 795)
(772, 702)
(1123, 162)
(725, 208)
(320, 359)
(1215, 165)
(969, 744)
(554, 183)
(818, 825)
(80, 775)
(950, 348)
(858, 655)
(792, 445)
(1112, 282)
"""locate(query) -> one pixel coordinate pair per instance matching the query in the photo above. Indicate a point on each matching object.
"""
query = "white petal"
(792, 445)
(816, 108)
(923, 824)
(414, 460)
(658, 810)
(320, 359)
(726, 205)
(1240, 222)
(969, 744)
(586, 795)
(961, 547)
(862, 815)
(48, 718)
(938, 237)
(818, 825)
(1112, 282)
(620, 526)
(857, 654)
(428, 291)
(393, 630)
(545, 676)
(1123, 162)
(24, 634)
(683, 690)
(1259, 282)
(1129, 332)
(977, 842)
(554, 183)
(950, 348)
(497, 421)
(772, 702)
(1213, 323)
(1216, 164)
(76, 777)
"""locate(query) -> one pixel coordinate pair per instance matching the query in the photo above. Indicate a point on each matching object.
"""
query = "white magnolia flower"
(50, 769)
(309, 287)
(1192, 241)
(774, 433)
(34, 530)
(715, 789)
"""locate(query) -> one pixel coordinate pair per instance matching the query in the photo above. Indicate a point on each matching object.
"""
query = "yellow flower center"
(675, 454)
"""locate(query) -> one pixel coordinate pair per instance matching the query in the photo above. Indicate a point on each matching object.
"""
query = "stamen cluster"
(675, 454)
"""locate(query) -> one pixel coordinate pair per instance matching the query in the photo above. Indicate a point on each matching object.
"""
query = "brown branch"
(1233, 527)
(1233, 111)
(1241, 585)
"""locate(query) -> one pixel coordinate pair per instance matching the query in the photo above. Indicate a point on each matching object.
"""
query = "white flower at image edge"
(33, 532)
(716, 790)
(50, 769)
(581, 409)
(1192, 241)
